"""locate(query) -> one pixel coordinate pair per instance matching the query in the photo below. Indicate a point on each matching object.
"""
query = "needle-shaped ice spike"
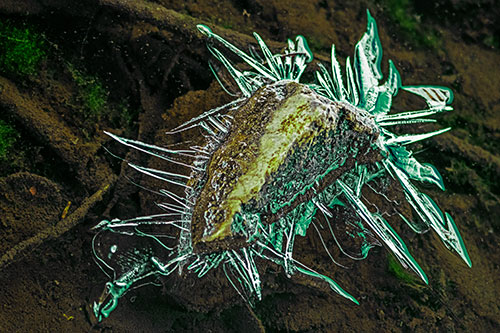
(271, 62)
(410, 114)
(213, 112)
(367, 58)
(379, 99)
(429, 212)
(299, 57)
(352, 88)
(456, 240)
(296, 57)
(165, 176)
(333, 285)
(170, 155)
(384, 231)
(404, 160)
(238, 76)
(248, 59)
(406, 122)
(412, 138)
(338, 84)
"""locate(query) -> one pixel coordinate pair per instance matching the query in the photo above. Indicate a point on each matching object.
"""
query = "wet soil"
(57, 181)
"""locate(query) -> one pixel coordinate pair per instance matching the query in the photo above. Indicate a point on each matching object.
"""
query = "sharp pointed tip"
(422, 274)
(302, 40)
(465, 257)
(370, 19)
(460, 249)
(204, 29)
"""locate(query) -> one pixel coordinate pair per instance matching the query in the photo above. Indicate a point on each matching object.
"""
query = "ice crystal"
(272, 163)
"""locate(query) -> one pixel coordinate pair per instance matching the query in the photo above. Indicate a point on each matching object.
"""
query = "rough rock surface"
(284, 137)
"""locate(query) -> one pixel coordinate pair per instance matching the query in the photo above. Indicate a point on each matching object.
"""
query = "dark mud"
(151, 66)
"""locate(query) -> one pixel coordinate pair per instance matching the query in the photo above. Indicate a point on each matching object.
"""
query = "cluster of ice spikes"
(135, 250)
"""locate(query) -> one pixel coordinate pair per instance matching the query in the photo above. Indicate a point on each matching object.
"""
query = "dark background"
(71, 69)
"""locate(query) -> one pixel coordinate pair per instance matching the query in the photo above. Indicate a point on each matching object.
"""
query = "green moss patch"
(395, 268)
(92, 93)
(413, 30)
(22, 49)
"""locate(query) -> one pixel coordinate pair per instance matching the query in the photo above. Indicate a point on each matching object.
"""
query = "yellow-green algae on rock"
(292, 117)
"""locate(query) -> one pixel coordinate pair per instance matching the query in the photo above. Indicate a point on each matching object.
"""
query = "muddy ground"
(140, 67)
